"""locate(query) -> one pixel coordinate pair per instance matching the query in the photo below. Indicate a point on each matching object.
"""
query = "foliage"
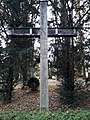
(18, 52)
(76, 97)
(33, 83)
(66, 97)
(59, 115)
(1, 57)
(67, 55)
(70, 53)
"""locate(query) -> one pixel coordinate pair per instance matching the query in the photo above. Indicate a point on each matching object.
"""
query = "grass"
(32, 115)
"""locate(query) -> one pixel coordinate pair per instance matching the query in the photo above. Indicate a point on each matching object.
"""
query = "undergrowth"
(32, 115)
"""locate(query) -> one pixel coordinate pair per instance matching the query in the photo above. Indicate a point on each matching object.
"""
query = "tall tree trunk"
(24, 71)
(9, 86)
(67, 20)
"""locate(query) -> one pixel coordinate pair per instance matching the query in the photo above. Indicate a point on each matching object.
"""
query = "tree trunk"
(68, 55)
(9, 86)
(24, 71)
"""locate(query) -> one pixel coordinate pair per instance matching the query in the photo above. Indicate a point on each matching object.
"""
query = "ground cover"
(59, 115)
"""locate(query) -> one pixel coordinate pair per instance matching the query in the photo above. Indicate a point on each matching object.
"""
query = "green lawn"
(60, 115)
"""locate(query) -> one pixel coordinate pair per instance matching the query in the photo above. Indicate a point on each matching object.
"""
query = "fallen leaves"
(28, 100)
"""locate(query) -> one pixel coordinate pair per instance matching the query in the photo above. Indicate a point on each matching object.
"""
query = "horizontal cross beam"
(35, 32)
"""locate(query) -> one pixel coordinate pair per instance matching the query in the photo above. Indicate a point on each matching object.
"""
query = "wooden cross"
(43, 32)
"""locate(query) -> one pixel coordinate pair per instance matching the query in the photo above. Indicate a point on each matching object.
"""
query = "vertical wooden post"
(43, 56)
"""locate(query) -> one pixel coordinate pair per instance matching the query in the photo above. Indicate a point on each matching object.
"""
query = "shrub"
(33, 83)
(75, 97)
(60, 115)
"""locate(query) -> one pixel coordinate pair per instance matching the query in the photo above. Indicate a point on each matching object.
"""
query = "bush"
(67, 97)
(60, 115)
(73, 97)
(33, 83)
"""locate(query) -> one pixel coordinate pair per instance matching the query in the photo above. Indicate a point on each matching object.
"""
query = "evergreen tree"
(18, 50)
(64, 49)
